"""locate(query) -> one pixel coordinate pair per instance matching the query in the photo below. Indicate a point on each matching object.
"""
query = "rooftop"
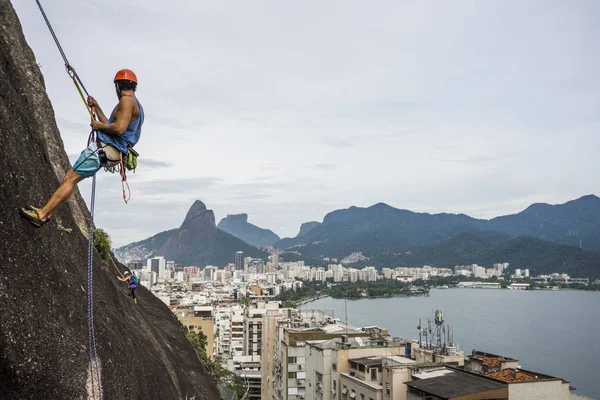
(359, 341)
(432, 373)
(519, 375)
(480, 355)
(494, 362)
(371, 384)
(367, 361)
(397, 360)
(455, 384)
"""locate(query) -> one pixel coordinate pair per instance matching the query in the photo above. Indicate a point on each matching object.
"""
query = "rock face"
(142, 351)
(199, 215)
(197, 242)
(238, 226)
(307, 227)
(299, 240)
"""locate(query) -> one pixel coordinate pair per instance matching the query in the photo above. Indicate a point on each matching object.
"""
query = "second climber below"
(133, 282)
(115, 134)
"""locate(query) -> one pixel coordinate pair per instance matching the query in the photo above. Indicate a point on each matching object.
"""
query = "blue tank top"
(131, 135)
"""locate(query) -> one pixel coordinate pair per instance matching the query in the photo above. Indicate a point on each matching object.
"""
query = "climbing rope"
(96, 382)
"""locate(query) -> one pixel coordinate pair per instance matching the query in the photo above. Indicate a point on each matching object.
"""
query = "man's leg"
(61, 194)
(86, 165)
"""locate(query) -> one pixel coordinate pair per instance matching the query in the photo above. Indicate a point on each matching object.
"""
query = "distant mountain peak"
(381, 205)
(238, 226)
(306, 227)
(197, 242)
(196, 211)
(238, 217)
(587, 200)
(588, 197)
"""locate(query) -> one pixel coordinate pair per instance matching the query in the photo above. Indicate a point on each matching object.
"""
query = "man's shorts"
(88, 162)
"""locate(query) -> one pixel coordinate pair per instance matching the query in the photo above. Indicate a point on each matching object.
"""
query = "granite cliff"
(142, 350)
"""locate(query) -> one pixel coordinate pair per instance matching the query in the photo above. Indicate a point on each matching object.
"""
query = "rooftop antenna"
(429, 331)
(420, 331)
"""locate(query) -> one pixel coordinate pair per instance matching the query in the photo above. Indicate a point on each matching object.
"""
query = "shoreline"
(310, 300)
(306, 301)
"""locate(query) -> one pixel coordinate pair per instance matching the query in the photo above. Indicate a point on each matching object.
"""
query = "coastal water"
(552, 332)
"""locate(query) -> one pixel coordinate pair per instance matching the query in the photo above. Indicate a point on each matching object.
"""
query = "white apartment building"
(236, 332)
(223, 331)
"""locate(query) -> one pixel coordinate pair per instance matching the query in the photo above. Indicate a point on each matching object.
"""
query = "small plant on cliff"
(102, 243)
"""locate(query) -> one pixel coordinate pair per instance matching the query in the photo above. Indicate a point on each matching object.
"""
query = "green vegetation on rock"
(102, 243)
(221, 375)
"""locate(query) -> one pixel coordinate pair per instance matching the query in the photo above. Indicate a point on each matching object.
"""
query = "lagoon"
(552, 332)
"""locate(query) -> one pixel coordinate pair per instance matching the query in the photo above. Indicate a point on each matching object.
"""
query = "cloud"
(67, 124)
(325, 167)
(178, 186)
(337, 142)
(478, 160)
(151, 163)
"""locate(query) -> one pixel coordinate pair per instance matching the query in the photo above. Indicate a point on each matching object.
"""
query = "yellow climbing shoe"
(32, 216)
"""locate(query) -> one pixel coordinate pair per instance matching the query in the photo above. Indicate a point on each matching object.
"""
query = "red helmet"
(126, 74)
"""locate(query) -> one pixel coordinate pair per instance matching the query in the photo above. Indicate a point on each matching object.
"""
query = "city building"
(223, 331)
(285, 333)
(191, 271)
(236, 332)
(376, 345)
(249, 369)
(253, 321)
(484, 363)
(530, 385)
(210, 272)
(198, 319)
(448, 384)
(239, 261)
(135, 265)
(158, 265)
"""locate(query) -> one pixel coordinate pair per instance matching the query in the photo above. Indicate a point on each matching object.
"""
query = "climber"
(115, 135)
(133, 281)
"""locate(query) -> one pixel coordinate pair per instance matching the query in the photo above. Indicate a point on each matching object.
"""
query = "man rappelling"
(116, 136)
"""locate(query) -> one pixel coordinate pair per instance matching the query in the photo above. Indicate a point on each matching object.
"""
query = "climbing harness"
(96, 382)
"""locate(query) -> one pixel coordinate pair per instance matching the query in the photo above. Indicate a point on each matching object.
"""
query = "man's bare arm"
(124, 114)
(93, 103)
(101, 116)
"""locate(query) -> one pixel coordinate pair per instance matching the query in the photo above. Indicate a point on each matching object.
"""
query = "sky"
(290, 110)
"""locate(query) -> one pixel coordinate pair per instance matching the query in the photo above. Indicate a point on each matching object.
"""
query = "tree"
(289, 304)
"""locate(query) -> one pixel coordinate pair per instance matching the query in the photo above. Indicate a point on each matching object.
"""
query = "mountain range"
(238, 226)
(383, 228)
(390, 236)
(543, 237)
(197, 242)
